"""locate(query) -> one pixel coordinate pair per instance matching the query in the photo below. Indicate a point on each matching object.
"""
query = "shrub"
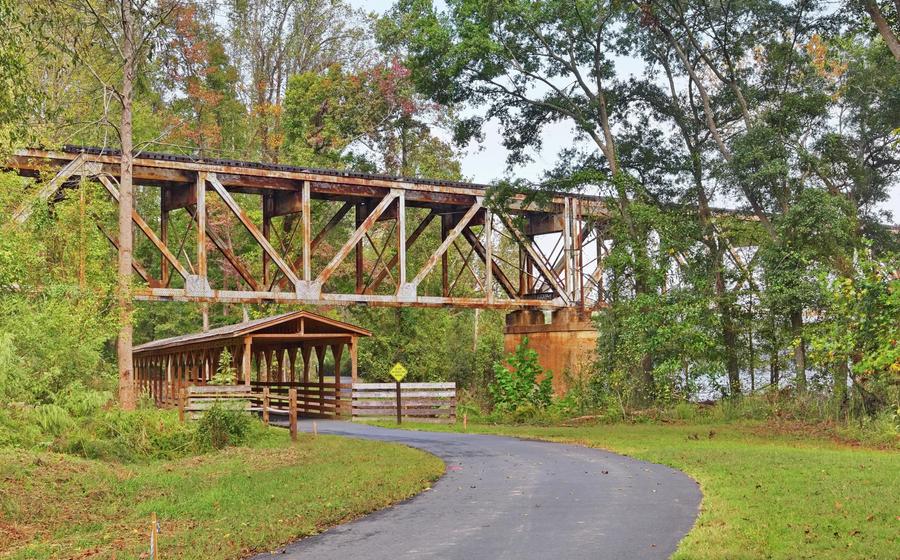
(52, 419)
(225, 372)
(220, 427)
(144, 434)
(517, 386)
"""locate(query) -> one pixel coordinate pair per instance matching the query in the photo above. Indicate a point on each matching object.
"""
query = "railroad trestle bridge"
(297, 239)
(550, 241)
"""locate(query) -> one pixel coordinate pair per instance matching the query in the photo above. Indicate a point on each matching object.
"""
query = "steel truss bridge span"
(330, 237)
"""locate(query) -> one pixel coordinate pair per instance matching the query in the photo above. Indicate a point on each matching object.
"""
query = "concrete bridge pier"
(566, 344)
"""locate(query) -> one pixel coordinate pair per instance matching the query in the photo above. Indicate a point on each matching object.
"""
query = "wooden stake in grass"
(154, 529)
(182, 403)
(315, 428)
(265, 406)
(292, 394)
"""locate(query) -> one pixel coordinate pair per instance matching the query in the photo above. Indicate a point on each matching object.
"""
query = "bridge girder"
(295, 274)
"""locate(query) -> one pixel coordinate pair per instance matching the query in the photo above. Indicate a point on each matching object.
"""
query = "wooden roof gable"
(276, 324)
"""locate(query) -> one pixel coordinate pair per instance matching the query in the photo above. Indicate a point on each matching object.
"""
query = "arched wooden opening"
(279, 353)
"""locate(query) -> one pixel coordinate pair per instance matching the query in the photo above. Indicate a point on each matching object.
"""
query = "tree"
(370, 120)
(270, 41)
(127, 29)
(533, 64)
(198, 71)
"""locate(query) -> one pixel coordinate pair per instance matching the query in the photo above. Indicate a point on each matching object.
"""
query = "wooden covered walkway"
(269, 356)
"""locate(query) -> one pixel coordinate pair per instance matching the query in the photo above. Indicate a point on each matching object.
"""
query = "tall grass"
(82, 424)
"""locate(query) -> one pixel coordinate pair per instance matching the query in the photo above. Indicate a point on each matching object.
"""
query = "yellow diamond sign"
(398, 372)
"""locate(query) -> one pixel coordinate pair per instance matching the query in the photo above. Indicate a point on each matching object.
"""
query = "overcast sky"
(485, 161)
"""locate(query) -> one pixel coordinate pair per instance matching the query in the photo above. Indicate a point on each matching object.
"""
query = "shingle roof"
(249, 327)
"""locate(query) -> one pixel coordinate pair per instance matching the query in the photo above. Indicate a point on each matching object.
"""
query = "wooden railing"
(197, 399)
(419, 402)
(314, 399)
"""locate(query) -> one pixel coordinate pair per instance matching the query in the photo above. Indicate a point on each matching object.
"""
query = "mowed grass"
(766, 493)
(227, 504)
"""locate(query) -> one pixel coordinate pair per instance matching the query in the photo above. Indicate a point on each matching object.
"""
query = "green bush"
(144, 434)
(221, 426)
(517, 387)
(53, 419)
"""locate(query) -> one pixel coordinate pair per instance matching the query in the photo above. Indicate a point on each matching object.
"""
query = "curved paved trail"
(515, 499)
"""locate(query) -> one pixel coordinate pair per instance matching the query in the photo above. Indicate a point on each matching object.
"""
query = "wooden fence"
(419, 402)
(314, 399)
(200, 398)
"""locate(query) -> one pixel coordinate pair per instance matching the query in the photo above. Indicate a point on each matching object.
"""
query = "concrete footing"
(566, 345)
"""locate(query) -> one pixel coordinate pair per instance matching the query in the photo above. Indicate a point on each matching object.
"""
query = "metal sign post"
(398, 372)
(399, 404)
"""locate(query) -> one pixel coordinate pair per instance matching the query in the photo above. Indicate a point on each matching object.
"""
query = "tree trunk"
(799, 349)
(841, 374)
(884, 28)
(126, 204)
(729, 335)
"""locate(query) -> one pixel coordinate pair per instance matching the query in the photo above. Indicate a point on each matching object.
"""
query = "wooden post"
(336, 351)
(354, 348)
(320, 355)
(153, 529)
(247, 360)
(399, 403)
(182, 403)
(292, 393)
(265, 405)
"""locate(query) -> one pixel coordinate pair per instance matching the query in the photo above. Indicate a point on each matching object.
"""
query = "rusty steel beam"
(287, 190)
(233, 296)
(135, 264)
(49, 188)
(357, 236)
(229, 255)
(445, 244)
(536, 258)
(145, 227)
(154, 171)
(326, 229)
(393, 262)
(251, 227)
(496, 271)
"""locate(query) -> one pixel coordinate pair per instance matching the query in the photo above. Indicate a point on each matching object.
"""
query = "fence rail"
(198, 399)
(420, 402)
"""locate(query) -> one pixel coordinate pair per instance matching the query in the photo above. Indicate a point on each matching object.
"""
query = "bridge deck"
(300, 226)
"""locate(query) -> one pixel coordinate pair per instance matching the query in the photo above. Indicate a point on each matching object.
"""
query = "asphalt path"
(507, 498)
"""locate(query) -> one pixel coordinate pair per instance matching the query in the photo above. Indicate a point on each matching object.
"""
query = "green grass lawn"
(766, 493)
(227, 504)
